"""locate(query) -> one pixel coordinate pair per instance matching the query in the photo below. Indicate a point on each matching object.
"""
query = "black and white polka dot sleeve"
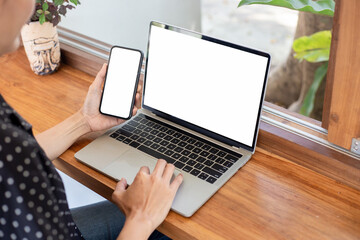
(33, 203)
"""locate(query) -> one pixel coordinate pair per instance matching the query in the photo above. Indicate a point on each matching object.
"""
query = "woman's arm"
(59, 138)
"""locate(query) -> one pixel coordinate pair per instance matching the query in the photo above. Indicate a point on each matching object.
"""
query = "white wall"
(126, 22)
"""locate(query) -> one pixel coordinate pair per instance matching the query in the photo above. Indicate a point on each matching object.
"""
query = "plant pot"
(42, 47)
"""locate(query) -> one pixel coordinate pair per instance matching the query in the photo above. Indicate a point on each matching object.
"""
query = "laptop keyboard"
(187, 152)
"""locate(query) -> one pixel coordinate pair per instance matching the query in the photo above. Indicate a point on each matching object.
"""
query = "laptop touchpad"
(128, 165)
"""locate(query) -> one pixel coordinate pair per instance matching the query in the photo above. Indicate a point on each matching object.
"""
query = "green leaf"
(324, 7)
(74, 2)
(42, 18)
(39, 11)
(45, 6)
(58, 2)
(313, 48)
(319, 55)
(308, 104)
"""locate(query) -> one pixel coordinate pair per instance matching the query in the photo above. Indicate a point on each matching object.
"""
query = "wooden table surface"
(269, 198)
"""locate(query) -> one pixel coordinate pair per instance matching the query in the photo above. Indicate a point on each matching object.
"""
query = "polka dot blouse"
(33, 203)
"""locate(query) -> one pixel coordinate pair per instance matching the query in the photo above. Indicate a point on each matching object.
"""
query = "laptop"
(201, 106)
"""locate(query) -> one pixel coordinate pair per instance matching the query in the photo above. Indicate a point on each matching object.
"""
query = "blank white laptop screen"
(204, 83)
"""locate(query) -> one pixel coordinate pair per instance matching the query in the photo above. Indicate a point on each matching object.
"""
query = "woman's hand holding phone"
(90, 110)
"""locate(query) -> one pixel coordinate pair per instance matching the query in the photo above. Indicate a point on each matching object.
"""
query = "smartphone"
(121, 81)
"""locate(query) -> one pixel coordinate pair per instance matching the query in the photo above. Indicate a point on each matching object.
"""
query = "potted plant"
(40, 37)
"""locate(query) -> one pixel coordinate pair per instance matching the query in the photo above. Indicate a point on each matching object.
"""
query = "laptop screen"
(208, 85)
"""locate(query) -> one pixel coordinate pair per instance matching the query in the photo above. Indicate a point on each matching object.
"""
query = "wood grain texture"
(342, 107)
(269, 198)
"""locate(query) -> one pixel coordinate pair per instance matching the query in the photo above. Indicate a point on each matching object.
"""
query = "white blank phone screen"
(120, 82)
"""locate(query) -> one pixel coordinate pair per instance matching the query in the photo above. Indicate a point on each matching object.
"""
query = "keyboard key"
(148, 143)
(163, 129)
(179, 165)
(212, 172)
(219, 168)
(154, 132)
(169, 152)
(137, 118)
(189, 147)
(164, 143)
(123, 132)
(161, 135)
(204, 153)
(228, 164)
(134, 137)
(157, 140)
(182, 144)
(134, 144)
(176, 156)
(144, 134)
(150, 124)
(147, 129)
(141, 140)
(184, 138)
(208, 163)
(133, 124)
(155, 146)
(120, 138)
(128, 128)
(171, 146)
(177, 135)
(184, 159)
(211, 180)
(200, 159)
(195, 172)
(141, 127)
(193, 156)
(214, 150)
(191, 162)
(203, 176)
(137, 131)
(185, 152)
(150, 137)
(157, 126)
(197, 150)
(220, 160)
(144, 121)
(127, 141)
(199, 166)
(168, 138)
(155, 154)
(221, 154)
(231, 158)
(114, 135)
(170, 132)
(175, 141)
(198, 144)
(178, 149)
(187, 168)
(206, 147)
(191, 141)
(161, 149)
(212, 157)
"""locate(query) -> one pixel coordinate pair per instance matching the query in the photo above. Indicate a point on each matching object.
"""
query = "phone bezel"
(136, 83)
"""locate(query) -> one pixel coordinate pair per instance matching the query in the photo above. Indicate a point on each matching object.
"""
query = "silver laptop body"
(206, 91)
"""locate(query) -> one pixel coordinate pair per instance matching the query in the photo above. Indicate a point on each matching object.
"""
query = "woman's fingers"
(159, 168)
(168, 172)
(100, 77)
(176, 182)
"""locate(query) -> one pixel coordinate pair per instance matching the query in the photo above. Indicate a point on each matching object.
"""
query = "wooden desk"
(269, 198)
